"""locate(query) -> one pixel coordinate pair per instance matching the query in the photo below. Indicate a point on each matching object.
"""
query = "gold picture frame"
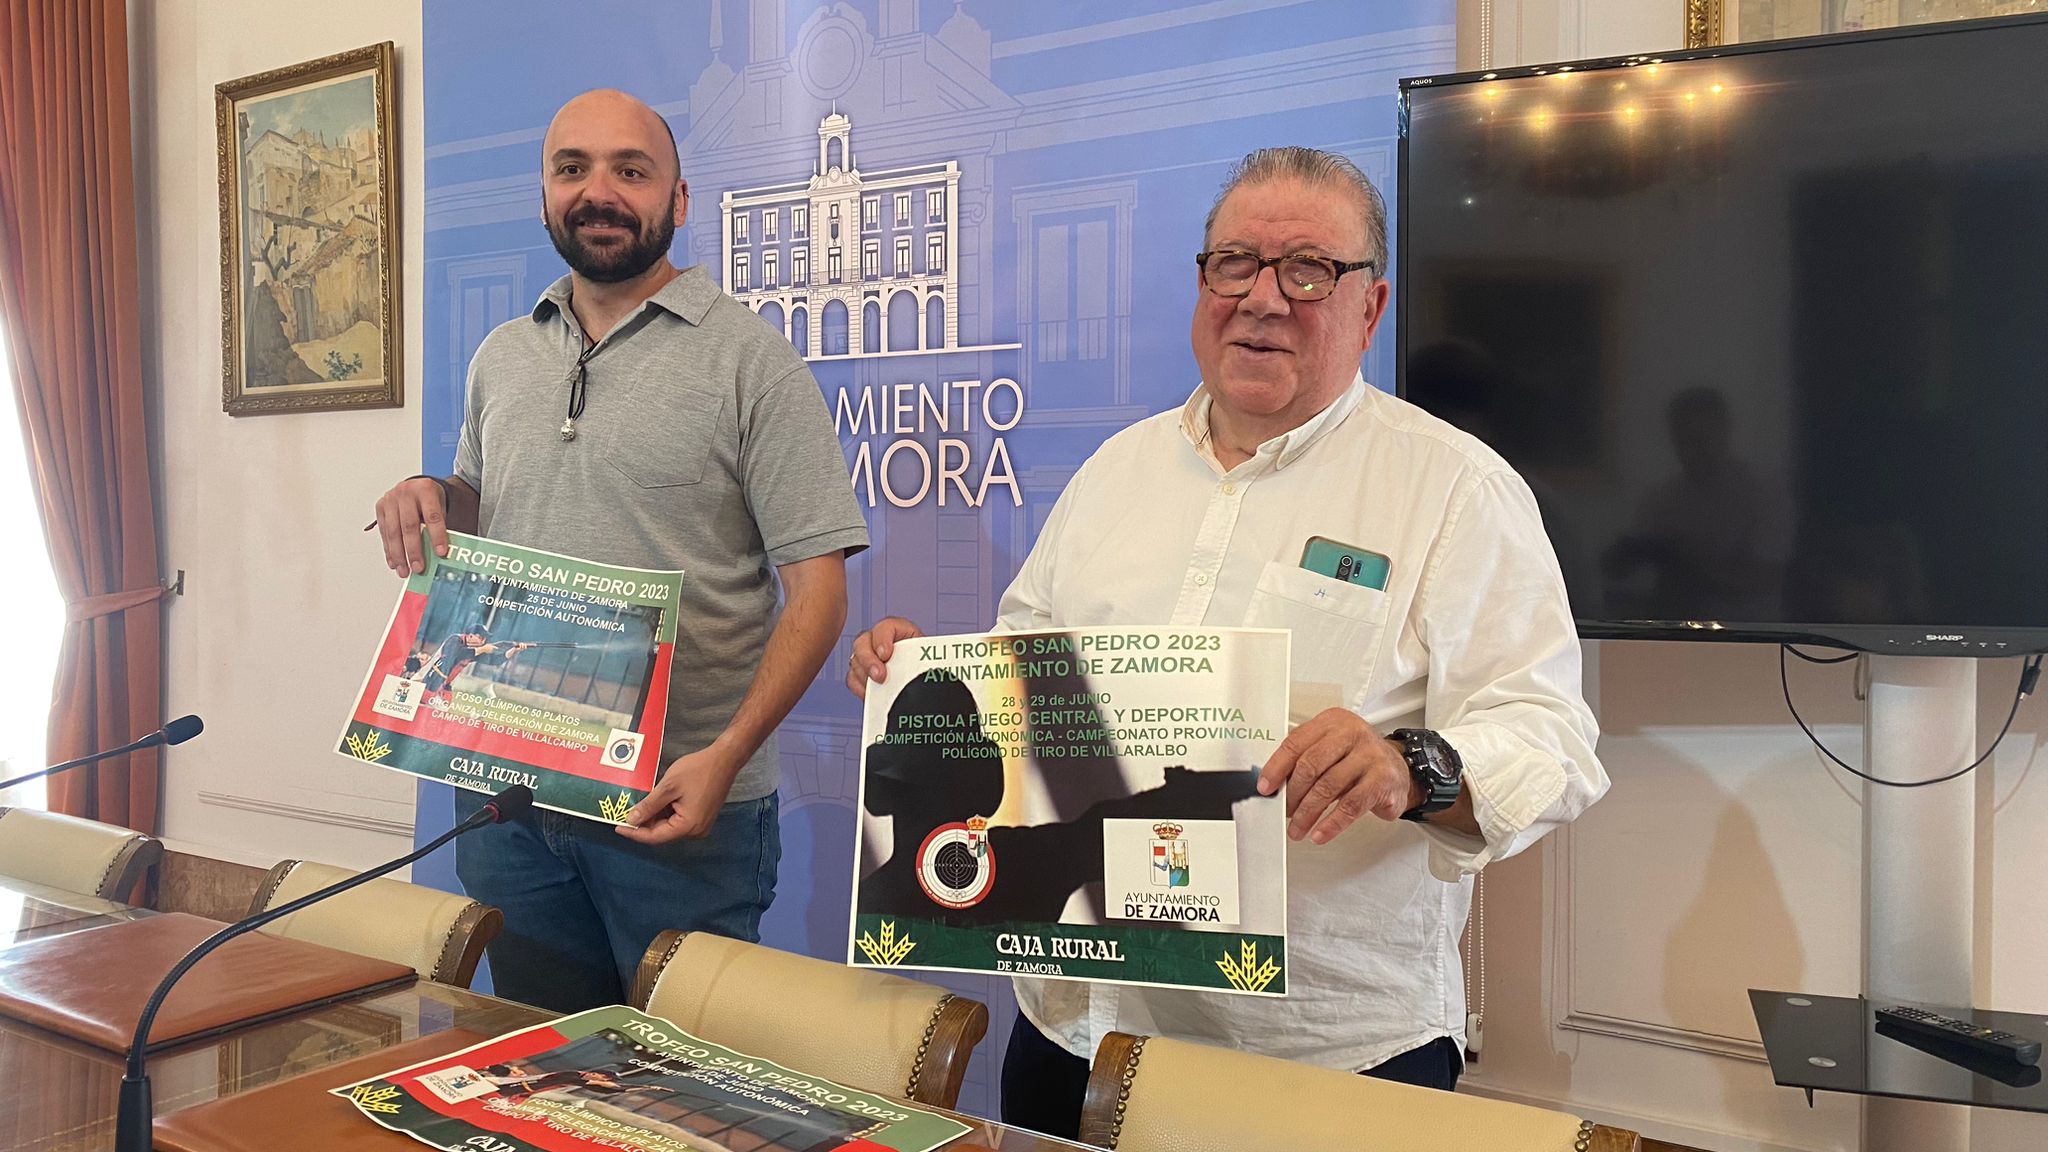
(1713, 22)
(309, 255)
(1703, 23)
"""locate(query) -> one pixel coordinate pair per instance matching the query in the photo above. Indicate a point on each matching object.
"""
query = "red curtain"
(70, 298)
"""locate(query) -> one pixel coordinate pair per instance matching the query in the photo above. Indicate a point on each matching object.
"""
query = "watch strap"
(1434, 764)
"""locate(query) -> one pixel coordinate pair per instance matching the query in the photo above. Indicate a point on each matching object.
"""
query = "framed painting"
(1711, 22)
(309, 237)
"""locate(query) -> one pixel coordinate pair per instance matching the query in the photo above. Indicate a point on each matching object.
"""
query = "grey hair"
(1310, 166)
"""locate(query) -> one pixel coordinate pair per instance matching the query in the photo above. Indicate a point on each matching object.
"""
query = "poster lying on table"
(1078, 804)
(505, 665)
(614, 1078)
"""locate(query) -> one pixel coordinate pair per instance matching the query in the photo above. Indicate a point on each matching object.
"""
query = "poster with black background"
(1077, 804)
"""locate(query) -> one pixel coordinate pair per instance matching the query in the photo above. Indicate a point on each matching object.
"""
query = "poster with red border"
(504, 665)
(616, 1078)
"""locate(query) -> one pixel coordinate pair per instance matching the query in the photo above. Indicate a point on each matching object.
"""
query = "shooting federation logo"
(956, 867)
(1169, 856)
(621, 749)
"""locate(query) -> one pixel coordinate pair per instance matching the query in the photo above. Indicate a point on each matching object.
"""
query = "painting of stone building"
(309, 318)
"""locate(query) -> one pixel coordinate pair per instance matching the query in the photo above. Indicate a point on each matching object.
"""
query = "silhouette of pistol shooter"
(924, 787)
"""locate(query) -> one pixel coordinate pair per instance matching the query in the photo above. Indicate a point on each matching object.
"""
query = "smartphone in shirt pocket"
(1352, 565)
(1337, 627)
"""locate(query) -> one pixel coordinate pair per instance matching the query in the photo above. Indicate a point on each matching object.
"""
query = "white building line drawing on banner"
(849, 263)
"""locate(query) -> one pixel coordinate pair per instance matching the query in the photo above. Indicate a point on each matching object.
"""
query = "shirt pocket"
(675, 450)
(1336, 630)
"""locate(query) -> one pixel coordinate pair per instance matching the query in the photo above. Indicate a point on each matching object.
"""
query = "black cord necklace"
(579, 384)
(579, 392)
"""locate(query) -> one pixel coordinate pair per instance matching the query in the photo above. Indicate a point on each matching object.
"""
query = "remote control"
(1996, 1067)
(1986, 1041)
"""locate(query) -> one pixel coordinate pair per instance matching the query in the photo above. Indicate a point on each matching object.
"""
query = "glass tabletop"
(29, 911)
(62, 1094)
(1836, 1044)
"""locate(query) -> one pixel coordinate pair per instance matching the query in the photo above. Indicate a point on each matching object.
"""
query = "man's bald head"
(612, 193)
(608, 109)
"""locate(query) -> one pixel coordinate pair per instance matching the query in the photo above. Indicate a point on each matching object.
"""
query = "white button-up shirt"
(1472, 637)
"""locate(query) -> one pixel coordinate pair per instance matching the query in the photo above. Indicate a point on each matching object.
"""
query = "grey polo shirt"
(704, 444)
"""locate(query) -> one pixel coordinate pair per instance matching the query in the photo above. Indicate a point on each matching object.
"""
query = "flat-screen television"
(1764, 327)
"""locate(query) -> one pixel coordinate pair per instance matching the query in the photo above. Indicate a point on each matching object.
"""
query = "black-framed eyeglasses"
(1228, 272)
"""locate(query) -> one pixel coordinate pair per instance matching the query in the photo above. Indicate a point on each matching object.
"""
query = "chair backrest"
(438, 934)
(1149, 1094)
(868, 1030)
(83, 856)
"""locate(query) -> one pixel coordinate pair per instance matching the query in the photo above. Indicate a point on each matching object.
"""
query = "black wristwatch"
(1435, 765)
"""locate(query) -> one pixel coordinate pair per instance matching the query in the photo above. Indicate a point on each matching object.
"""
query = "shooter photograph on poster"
(618, 1078)
(505, 665)
(1079, 804)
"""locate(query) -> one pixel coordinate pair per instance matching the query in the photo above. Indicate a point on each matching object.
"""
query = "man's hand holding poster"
(506, 665)
(1079, 804)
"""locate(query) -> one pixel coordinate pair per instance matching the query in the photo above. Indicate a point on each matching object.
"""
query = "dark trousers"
(1044, 1084)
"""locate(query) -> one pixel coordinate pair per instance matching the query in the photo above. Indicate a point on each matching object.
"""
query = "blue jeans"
(582, 903)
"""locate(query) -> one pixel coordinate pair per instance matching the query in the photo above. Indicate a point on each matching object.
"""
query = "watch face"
(1426, 754)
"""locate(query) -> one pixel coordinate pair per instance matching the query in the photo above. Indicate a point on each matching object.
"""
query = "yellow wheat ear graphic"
(371, 1098)
(1245, 971)
(888, 951)
(371, 749)
(615, 807)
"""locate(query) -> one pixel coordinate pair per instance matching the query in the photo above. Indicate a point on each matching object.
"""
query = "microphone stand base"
(132, 1128)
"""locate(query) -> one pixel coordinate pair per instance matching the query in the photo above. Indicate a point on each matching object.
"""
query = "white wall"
(1536, 31)
(1729, 854)
(284, 594)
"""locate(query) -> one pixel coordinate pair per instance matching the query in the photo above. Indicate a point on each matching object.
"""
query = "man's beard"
(613, 263)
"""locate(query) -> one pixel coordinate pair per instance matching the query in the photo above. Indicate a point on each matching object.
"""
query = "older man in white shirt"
(1446, 704)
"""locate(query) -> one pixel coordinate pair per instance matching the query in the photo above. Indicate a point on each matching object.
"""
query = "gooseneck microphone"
(132, 1128)
(176, 732)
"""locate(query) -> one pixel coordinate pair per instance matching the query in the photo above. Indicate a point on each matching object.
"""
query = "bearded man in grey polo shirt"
(641, 417)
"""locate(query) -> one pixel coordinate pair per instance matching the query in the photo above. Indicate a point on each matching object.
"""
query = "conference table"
(58, 1095)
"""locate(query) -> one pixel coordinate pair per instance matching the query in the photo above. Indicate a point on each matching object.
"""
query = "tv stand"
(1919, 868)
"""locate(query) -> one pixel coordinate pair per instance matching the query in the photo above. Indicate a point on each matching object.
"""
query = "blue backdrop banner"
(976, 218)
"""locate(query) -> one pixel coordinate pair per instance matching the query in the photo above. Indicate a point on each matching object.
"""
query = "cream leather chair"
(868, 1030)
(438, 934)
(83, 856)
(1150, 1094)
